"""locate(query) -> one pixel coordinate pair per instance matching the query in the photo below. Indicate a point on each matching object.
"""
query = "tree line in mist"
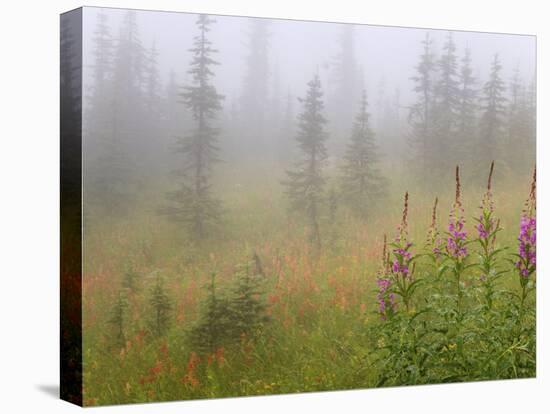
(136, 125)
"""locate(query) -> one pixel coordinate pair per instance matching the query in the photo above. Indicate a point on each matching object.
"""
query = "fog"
(300, 48)
(264, 68)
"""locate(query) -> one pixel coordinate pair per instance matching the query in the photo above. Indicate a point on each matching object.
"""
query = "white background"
(29, 186)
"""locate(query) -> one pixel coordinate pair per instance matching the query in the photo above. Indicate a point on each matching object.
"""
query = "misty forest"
(276, 206)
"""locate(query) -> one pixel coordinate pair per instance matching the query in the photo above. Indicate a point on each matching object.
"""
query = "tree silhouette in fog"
(492, 117)
(305, 183)
(362, 181)
(193, 203)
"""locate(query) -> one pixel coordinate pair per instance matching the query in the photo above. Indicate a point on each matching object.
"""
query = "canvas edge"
(71, 206)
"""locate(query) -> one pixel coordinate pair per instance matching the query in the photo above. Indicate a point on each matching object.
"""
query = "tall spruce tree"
(421, 112)
(345, 81)
(150, 148)
(112, 172)
(152, 81)
(97, 127)
(305, 183)
(447, 101)
(193, 204)
(102, 54)
(520, 126)
(362, 182)
(492, 117)
(255, 89)
(467, 110)
(286, 130)
(514, 118)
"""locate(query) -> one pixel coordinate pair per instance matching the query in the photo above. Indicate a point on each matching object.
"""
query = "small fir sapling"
(213, 328)
(130, 279)
(117, 319)
(247, 305)
(161, 307)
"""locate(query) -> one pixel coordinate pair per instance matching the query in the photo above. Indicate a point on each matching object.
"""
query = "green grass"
(323, 329)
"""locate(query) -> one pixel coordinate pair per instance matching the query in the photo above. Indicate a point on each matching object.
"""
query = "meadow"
(391, 300)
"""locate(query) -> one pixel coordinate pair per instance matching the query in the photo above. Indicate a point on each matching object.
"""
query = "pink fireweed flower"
(402, 230)
(433, 240)
(527, 248)
(456, 240)
(401, 253)
(386, 299)
(486, 223)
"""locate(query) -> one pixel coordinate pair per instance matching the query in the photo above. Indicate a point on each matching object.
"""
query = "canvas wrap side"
(71, 206)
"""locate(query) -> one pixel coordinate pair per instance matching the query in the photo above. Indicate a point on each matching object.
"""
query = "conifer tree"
(150, 149)
(170, 100)
(97, 127)
(130, 279)
(161, 307)
(152, 81)
(362, 182)
(118, 318)
(122, 109)
(447, 100)
(421, 112)
(492, 118)
(305, 183)
(345, 81)
(213, 328)
(247, 306)
(467, 109)
(286, 130)
(193, 204)
(255, 89)
(388, 125)
(520, 126)
(513, 122)
(102, 54)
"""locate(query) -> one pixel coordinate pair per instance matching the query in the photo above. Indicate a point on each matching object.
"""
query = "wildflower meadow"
(272, 206)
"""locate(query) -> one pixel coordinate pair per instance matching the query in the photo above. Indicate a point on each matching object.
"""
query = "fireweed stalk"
(526, 263)
(433, 239)
(487, 228)
(402, 265)
(387, 305)
(456, 248)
